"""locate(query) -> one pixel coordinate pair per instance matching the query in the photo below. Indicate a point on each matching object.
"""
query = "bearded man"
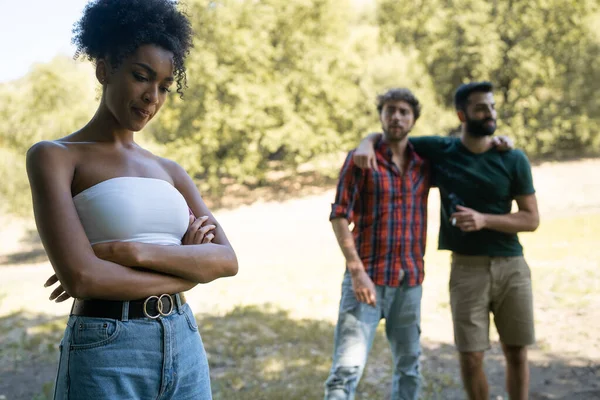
(478, 183)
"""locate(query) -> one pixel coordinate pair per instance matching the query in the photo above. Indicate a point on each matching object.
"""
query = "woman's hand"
(197, 232)
(123, 253)
(128, 253)
(58, 295)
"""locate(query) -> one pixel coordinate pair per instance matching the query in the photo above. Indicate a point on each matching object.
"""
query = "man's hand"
(363, 286)
(364, 156)
(503, 143)
(467, 219)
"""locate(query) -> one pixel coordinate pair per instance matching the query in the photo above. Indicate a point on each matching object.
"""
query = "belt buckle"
(159, 306)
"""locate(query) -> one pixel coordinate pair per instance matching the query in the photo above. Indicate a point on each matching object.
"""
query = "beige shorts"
(501, 285)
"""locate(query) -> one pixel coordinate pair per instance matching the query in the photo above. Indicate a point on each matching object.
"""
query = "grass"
(263, 351)
(29, 337)
(565, 256)
(269, 331)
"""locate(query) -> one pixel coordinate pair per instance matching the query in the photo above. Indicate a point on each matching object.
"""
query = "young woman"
(115, 219)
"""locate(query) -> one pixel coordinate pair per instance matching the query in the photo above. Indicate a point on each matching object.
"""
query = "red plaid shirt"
(389, 212)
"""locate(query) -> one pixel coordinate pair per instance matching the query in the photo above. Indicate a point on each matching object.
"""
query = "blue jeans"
(158, 359)
(354, 333)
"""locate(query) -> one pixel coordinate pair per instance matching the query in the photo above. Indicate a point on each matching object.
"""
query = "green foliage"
(50, 102)
(14, 189)
(541, 55)
(270, 83)
(396, 68)
(286, 86)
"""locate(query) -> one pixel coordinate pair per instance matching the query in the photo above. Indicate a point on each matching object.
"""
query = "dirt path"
(289, 258)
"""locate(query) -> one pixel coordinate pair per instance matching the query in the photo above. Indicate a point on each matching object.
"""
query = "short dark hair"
(461, 96)
(399, 94)
(116, 28)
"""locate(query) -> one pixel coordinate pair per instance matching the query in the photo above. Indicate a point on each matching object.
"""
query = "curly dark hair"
(116, 28)
(400, 94)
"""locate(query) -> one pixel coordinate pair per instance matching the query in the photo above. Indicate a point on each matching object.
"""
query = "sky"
(35, 31)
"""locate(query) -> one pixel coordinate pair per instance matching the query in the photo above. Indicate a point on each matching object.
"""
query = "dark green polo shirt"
(486, 182)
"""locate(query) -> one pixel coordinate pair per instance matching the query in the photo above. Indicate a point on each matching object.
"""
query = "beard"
(480, 127)
(395, 135)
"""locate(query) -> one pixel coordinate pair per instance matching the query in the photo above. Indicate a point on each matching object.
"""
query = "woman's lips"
(141, 112)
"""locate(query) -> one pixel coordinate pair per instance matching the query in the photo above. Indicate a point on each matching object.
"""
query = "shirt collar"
(382, 147)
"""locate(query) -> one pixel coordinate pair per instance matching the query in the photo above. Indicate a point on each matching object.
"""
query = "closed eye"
(140, 78)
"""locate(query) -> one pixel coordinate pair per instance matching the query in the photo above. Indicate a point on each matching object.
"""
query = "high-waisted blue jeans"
(355, 331)
(158, 359)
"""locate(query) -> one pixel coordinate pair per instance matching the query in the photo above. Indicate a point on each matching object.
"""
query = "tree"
(269, 82)
(541, 55)
(50, 102)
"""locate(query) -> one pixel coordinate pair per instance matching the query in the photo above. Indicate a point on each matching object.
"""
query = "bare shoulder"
(186, 186)
(48, 154)
(176, 172)
(46, 147)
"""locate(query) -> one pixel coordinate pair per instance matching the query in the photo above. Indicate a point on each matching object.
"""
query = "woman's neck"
(104, 127)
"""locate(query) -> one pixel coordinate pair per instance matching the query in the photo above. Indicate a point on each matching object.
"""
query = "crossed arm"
(126, 253)
(85, 274)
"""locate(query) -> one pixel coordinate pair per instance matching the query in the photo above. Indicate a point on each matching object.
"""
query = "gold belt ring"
(159, 306)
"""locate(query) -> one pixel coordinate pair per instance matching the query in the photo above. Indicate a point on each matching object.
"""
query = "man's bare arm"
(346, 243)
(363, 286)
(364, 156)
(525, 220)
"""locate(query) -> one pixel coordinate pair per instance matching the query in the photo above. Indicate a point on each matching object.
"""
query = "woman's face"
(138, 88)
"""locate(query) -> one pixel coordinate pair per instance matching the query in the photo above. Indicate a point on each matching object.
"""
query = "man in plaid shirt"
(478, 177)
(384, 253)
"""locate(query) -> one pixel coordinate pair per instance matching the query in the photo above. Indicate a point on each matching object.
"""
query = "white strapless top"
(132, 209)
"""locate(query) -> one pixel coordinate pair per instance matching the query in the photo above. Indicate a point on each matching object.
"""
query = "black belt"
(152, 307)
